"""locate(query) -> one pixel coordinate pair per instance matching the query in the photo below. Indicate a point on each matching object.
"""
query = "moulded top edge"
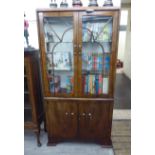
(78, 9)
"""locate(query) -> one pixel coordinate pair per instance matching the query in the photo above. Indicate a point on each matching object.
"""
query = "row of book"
(95, 84)
(96, 63)
(92, 84)
(55, 85)
(92, 62)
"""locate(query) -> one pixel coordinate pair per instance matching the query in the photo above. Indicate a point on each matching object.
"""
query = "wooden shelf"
(92, 72)
(59, 42)
(109, 41)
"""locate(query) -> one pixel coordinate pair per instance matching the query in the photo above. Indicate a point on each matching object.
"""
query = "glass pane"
(25, 84)
(27, 108)
(96, 51)
(26, 99)
(27, 115)
(58, 33)
(24, 71)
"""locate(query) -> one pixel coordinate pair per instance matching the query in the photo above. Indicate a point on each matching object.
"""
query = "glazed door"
(95, 118)
(29, 96)
(61, 119)
(58, 52)
(97, 53)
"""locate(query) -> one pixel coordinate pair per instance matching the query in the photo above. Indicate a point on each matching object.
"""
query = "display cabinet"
(33, 107)
(78, 55)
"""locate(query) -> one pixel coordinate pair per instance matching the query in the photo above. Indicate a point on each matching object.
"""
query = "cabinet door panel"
(61, 119)
(58, 53)
(97, 53)
(95, 119)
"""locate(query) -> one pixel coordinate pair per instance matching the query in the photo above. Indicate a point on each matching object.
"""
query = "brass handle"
(72, 113)
(83, 114)
(90, 115)
(75, 46)
(80, 46)
(66, 113)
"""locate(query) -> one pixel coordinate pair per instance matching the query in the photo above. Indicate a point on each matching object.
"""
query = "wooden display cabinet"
(33, 107)
(78, 56)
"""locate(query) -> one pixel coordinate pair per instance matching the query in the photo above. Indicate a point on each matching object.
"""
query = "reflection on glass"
(25, 84)
(27, 109)
(27, 115)
(58, 33)
(96, 51)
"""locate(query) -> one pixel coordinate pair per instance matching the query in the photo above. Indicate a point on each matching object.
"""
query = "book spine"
(93, 62)
(90, 84)
(72, 83)
(106, 64)
(97, 63)
(93, 84)
(100, 63)
(86, 84)
(100, 84)
(105, 85)
(97, 84)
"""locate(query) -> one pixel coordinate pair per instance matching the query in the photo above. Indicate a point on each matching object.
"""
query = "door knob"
(66, 113)
(90, 115)
(80, 45)
(83, 114)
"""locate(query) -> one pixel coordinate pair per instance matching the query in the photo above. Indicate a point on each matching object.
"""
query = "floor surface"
(65, 148)
(122, 92)
(121, 137)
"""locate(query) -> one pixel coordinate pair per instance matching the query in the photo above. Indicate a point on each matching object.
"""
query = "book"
(55, 84)
(106, 64)
(86, 84)
(96, 84)
(100, 84)
(105, 85)
(107, 47)
(69, 84)
(107, 32)
(100, 59)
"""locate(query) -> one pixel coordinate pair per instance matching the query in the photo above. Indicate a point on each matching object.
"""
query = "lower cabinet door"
(95, 118)
(61, 119)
